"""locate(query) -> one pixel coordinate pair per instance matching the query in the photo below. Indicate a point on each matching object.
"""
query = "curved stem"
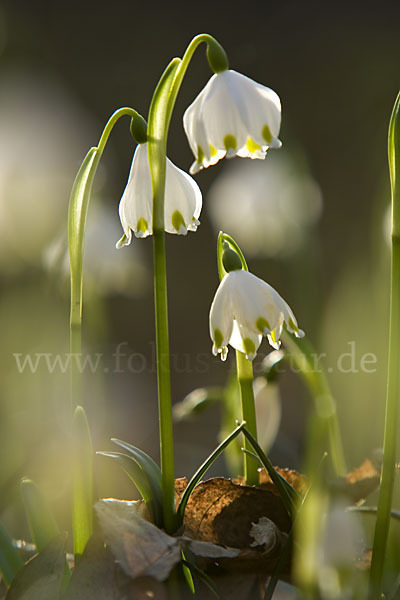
(180, 74)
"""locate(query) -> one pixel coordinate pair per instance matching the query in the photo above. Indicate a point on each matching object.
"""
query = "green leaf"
(151, 496)
(82, 482)
(144, 460)
(42, 524)
(10, 560)
(42, 575)
(288, 494)
(202, 469)
(203, 577)
(78, 207)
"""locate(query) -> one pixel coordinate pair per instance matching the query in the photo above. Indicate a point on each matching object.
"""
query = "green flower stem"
(214, 49)
(245, 378)
(300, 352)
(393, 382)
(160, 113)
(244, 370)
(78, 207)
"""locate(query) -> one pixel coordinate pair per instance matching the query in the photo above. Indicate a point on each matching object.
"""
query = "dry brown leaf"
(141, 548)
(223, 512)
(298, 481)
(360, 482)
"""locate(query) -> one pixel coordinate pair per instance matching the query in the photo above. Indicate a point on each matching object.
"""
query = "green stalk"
(393, 381)
(245, 378)
(244, 370)
(316, 380)
(160, 113)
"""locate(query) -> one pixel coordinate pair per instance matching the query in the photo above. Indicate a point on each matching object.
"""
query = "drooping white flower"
(183, 200)
(233, 116)
(245, 309)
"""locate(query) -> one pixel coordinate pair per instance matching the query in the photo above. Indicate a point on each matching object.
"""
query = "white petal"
(221, 319)
(221, 113)
(136, 201)
(235, 105)
(254, 299)
(182, 194)
(194, 128)
(241, 335)
(259, 106)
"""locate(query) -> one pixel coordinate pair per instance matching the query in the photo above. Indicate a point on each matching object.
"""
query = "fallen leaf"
(143, 549)
(298, 481)
(222, 512)
(360, 482)
(139, 546)
(265, 533)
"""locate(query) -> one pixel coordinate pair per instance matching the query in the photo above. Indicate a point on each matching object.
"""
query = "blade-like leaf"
(149, 466)
(78, 208)
(42, 524)
(10, 560)
(202, 469)
(138, 475)
(147, 463)
(83, 482)
(288, 494)
(202, 576)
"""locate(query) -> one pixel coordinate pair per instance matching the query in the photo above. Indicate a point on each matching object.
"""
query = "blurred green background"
(311, 219)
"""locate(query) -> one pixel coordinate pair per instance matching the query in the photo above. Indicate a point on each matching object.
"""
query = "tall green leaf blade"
(10, 560)
(78, 207)
(83, 482)
(42, 524)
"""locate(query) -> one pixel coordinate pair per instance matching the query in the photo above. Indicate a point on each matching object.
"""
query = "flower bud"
(138, 129)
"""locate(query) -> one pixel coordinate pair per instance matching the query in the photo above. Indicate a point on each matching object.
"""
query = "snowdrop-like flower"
(245, 309)
(232, 116)
(183, 200)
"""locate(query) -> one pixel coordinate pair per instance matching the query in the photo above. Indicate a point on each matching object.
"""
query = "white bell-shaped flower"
(182, 204)
(245, 309)
(233, 116)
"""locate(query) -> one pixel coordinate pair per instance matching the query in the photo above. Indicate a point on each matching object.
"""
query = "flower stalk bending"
(160, 113)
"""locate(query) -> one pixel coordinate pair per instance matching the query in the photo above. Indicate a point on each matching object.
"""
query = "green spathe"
(231, 260)
(216, 56)
(138, 129)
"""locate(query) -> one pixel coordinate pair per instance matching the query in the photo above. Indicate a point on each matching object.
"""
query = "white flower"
(233, 116)
(182, 206)
(245, 309)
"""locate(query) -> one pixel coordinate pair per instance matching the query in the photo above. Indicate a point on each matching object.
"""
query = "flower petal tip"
(196, 167)
(124, 241)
